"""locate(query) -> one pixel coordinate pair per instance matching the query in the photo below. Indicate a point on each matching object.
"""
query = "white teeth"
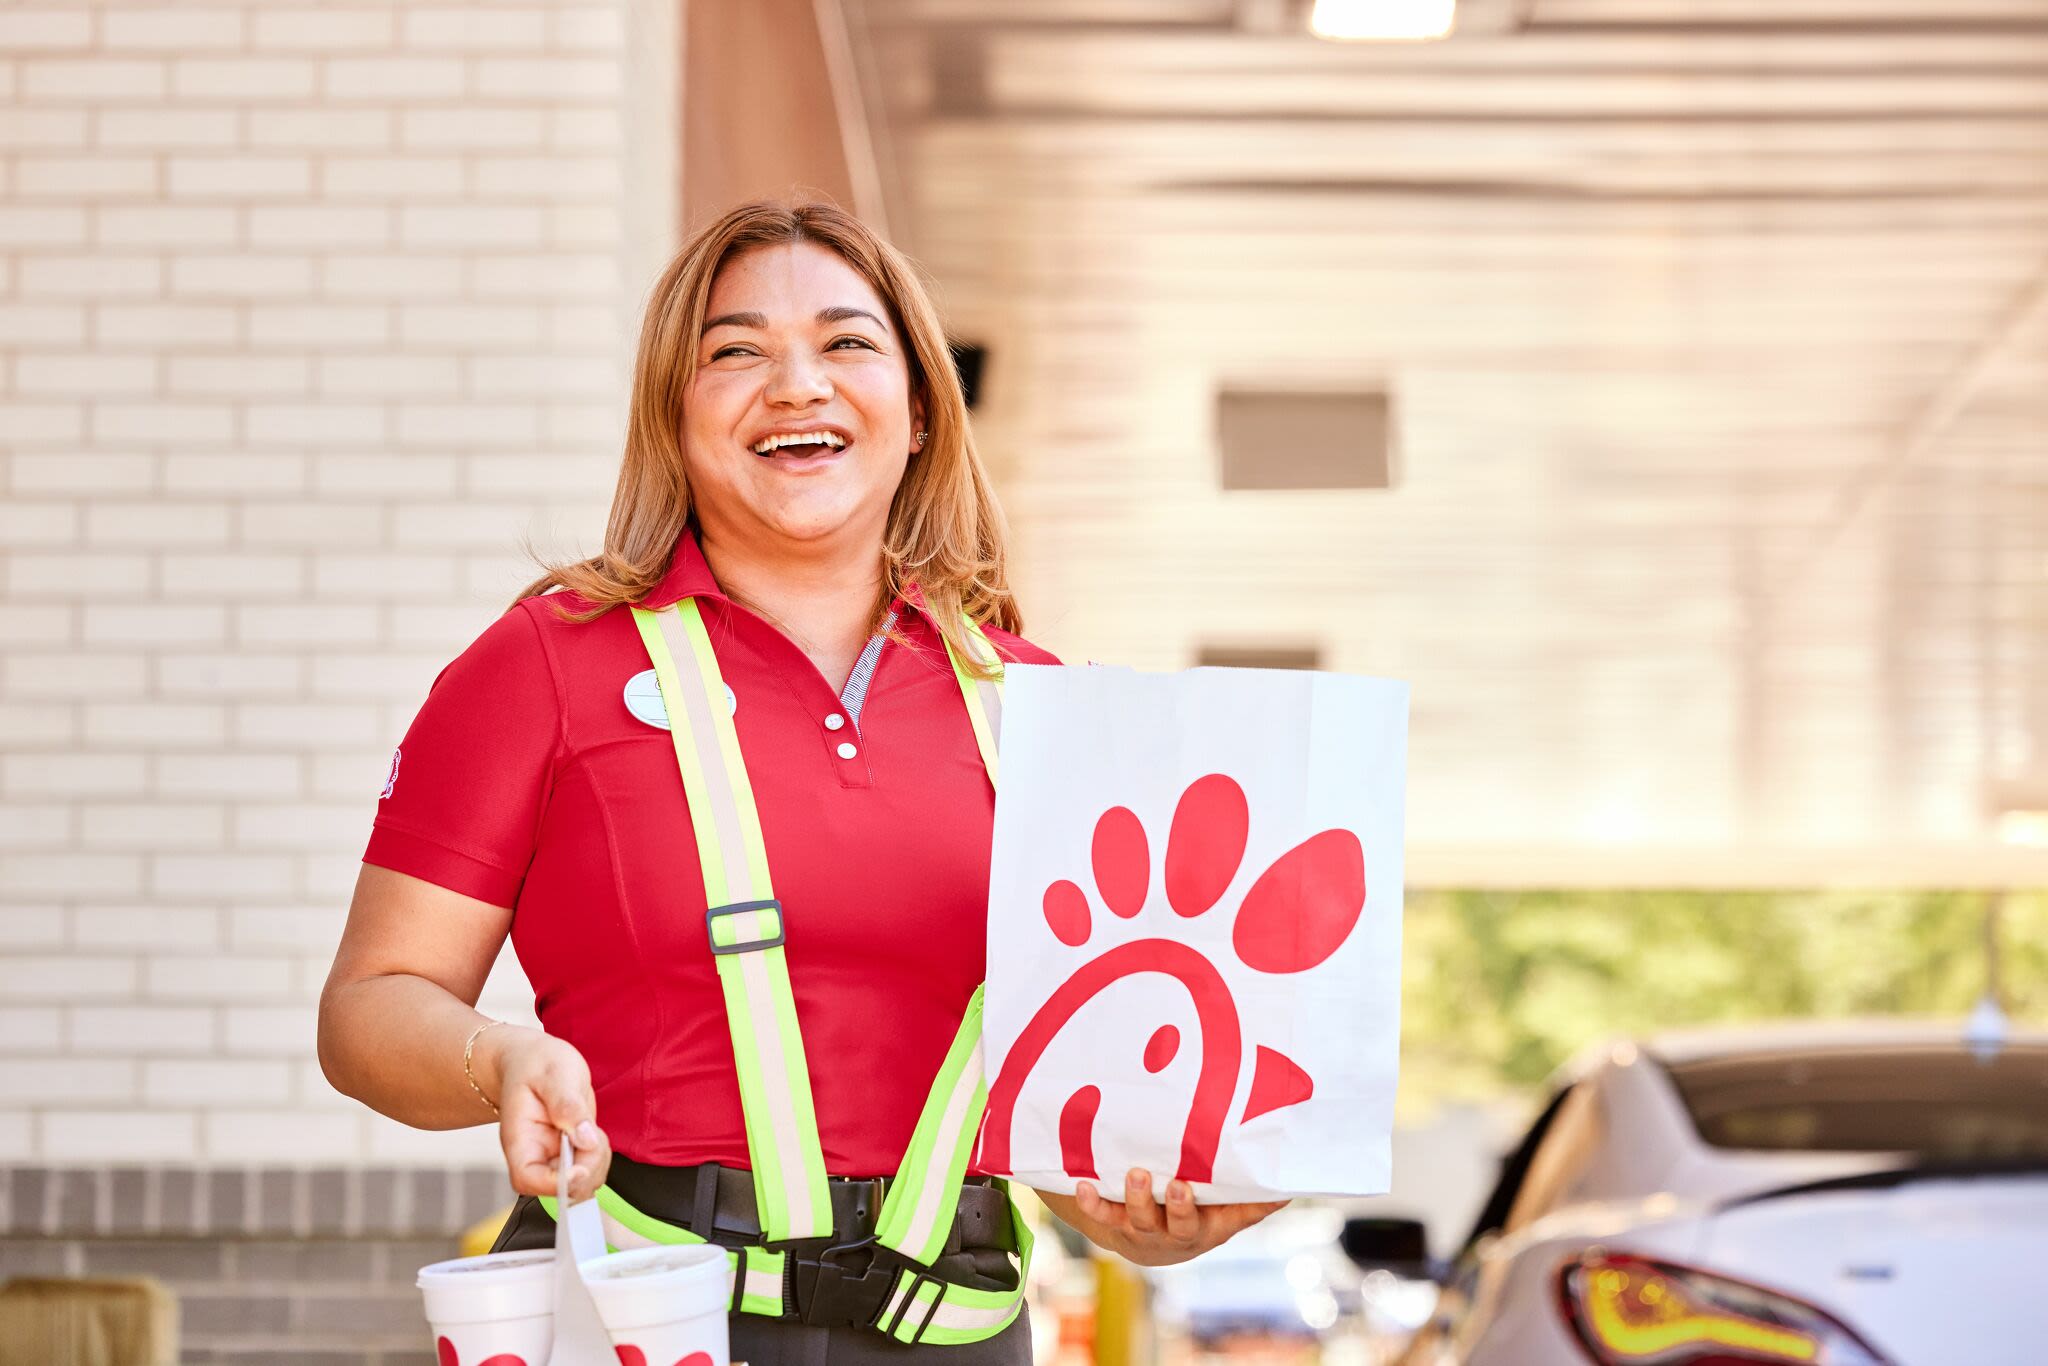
(832, 439)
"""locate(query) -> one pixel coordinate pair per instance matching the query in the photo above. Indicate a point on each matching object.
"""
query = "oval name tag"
(643, 699)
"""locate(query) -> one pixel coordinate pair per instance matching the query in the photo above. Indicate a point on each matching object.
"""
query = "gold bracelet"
(469, 1047)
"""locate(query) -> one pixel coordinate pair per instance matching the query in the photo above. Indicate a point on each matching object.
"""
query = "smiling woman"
(797, 425)
(785, 321)
(809, 558)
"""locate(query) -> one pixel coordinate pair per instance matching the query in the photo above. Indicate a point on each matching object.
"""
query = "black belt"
(841, 1279)
(717, 1204)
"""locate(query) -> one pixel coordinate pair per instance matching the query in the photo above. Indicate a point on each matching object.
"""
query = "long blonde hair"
(945, 532)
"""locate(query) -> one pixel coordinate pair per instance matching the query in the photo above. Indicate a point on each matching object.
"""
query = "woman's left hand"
(1141, 1230)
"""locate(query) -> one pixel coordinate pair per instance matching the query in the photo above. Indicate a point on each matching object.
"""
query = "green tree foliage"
(1499, 988)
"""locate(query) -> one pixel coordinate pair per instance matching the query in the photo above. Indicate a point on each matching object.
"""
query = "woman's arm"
(1140, 1230)
(398, 1007)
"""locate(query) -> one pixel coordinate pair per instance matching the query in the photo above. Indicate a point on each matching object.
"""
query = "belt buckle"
(828, 1293)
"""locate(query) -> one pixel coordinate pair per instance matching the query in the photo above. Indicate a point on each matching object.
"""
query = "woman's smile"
(809, 449)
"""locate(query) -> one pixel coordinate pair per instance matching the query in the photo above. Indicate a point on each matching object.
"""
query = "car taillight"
(1631, 1311)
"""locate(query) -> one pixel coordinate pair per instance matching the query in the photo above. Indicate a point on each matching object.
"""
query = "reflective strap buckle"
(920, 1278)
(828, 1293)
(711, 918)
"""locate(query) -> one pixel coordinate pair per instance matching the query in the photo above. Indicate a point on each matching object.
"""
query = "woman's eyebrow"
(835, 314)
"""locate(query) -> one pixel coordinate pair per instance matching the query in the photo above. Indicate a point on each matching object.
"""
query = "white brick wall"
(307, 312)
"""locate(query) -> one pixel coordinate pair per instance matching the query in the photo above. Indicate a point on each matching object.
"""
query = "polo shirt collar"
(689, 576)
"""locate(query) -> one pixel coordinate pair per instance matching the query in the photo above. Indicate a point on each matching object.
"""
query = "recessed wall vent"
(1296, 656)
(968, 358)
(1305, 439)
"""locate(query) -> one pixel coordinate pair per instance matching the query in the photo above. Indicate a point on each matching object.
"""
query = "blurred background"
(1659, 386)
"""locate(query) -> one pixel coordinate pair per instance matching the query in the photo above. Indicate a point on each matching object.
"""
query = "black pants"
(761, 1341)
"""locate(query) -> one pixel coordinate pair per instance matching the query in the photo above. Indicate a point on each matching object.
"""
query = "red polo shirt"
(525, 781)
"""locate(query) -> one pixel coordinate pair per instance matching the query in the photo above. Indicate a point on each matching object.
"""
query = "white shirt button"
(847, 751)
(834, 721)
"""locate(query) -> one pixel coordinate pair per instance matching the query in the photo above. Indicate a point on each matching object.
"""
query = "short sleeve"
(462, 802)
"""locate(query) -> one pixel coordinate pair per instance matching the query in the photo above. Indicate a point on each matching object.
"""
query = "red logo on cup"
(444, 1350)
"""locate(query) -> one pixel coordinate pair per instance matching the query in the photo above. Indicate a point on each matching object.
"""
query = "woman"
(800, 491)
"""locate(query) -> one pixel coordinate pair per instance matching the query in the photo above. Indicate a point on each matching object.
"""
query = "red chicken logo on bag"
(1298, 912)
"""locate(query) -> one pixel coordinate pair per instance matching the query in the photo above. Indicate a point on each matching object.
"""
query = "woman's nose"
(797, 378)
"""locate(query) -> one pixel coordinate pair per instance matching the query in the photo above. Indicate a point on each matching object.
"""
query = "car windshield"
(1939, 1103)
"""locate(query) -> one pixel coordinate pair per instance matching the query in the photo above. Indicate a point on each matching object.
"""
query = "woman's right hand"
(542, 1086)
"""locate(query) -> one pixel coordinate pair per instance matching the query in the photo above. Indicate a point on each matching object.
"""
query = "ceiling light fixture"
(1382, 20)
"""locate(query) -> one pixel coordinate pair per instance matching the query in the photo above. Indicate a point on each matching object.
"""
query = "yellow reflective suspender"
(744, 925)
(917, 1213)
(745, 928)
(984, 697)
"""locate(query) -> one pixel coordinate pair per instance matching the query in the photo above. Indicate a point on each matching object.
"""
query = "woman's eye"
(725, 351)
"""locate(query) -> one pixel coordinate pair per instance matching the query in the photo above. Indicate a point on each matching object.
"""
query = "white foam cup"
(497, 1308)
(664, 1306)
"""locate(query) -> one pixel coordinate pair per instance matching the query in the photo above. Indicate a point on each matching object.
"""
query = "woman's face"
(795, 341)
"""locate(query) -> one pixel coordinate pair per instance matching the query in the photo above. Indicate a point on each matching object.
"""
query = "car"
(1284, 1278)
(1828, 1194)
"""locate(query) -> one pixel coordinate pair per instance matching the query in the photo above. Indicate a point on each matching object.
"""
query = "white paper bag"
(1194, 930)
(580, 1337)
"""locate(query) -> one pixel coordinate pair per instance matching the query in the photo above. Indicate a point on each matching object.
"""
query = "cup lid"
(533, 1264)
(653, 1261)
(648, 1286)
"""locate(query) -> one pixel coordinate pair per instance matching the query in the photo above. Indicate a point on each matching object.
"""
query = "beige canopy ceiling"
(1717, 339)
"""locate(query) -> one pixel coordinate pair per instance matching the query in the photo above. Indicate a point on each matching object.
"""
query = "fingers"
(571, 1106)
(547, 1090)
(593, 1160)
(1142, 1210)
(1179, 1219)
(1145, 1232)
(533, 1150)
(532, 1147)
(1092, 1204)
(1183, 1220)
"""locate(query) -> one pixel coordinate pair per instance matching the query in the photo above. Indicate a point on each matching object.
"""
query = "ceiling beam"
(810, 138)
(856, 132)
(1915, 437)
